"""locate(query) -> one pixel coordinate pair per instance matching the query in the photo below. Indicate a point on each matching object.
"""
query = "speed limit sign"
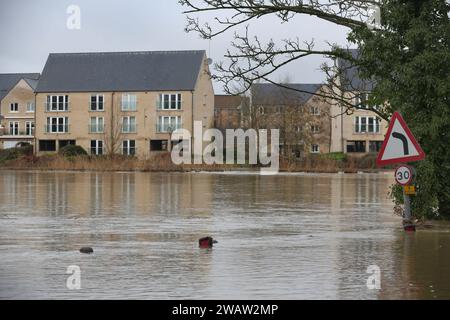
(403, 175)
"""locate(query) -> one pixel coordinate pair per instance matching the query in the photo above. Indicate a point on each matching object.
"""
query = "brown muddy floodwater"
(291, 236)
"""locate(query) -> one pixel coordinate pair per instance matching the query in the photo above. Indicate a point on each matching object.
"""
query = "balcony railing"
(57, 106)
(13, 133)
(127, 107)
(57, 128)
(168, 128)
(96, 128)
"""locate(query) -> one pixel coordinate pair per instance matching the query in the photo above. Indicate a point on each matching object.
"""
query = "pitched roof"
(9, 80)
(121, 71)
(271, 94)
(350, 78)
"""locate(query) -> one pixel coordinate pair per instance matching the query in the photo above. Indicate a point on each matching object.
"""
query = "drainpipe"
(35, 127)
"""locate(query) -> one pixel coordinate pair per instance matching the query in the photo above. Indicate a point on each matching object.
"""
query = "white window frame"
(55, 106)
(167, 99)
(315, 148)
(376, 124)
(129, 126)
(30, 107)
(14, 128)
(29, 128)
(14, 107)
(315, 128)
(99, 145)
(64, 124)
(129, 102)
(97, 125)
(97, 103)
(126, 145)
(315, 111)
(166, 122)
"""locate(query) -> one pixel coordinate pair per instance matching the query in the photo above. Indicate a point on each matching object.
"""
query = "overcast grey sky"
(31, 29)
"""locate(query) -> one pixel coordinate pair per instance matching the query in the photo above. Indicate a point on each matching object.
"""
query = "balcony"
(57, 107)
(128, 107)
(9, 133)
(56, 128)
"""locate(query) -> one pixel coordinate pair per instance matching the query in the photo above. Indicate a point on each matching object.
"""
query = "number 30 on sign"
(403, 175)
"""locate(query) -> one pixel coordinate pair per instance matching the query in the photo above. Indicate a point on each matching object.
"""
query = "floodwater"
(291, 236)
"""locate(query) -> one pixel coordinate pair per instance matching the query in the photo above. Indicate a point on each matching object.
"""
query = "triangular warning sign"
(399, 146)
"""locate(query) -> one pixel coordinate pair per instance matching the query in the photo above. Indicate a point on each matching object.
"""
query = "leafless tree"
(113, 133)
(251, 60)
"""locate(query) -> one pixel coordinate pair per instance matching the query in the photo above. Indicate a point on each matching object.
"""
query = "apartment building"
(121, 102)
(229, 112)
(17, 108)
(362, 131)
(302, 117)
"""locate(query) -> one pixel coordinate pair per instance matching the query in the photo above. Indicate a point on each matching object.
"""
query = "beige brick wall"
(22, 94)
(197, 105)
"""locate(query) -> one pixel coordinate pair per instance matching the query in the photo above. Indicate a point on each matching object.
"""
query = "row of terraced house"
(130, 102)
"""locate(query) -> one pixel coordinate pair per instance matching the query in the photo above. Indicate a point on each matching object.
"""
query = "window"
(97, 102)
(356, 146)
(14, 107)
(57, 125)
(57, 103)
(129, 102)
(315, 148)
(47, 145)
(29, 128)
(261, 110)
(129, 147)
(97, 147)
(367, 125)
(158, 145)
(168, 124)
(14, 128)
(315, 129)
(128, 124)
(315, 111)
(375, 146)
(169, 102)
(30, 107)
(96, 125)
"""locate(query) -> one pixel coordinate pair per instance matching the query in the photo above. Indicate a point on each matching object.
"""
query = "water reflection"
(285, 236)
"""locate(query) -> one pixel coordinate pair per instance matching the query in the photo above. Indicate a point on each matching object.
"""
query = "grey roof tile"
(271, 94)
(121, 71)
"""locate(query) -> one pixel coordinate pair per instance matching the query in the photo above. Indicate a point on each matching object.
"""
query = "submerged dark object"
(87, 250)
(206, 242)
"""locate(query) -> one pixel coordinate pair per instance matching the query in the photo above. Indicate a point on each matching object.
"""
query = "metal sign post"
(400, 146)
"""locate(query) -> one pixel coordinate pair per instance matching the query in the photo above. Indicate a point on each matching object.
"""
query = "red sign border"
(410, 178)
(420, 156)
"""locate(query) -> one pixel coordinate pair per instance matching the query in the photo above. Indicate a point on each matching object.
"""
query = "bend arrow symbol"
(404, 140)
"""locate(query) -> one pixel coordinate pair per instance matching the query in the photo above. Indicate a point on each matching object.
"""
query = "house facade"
(302, 117)
(126, 102)
(362, 131)
(17, 109)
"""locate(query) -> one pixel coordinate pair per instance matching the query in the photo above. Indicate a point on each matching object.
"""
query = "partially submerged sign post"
(400, 146)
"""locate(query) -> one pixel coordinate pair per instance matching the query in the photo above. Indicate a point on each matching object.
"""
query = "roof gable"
(9, 80)
(121, 71)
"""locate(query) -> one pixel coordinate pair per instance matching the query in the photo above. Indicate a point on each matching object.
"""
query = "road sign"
(399, 145)
(410, 190)
(403, 175)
